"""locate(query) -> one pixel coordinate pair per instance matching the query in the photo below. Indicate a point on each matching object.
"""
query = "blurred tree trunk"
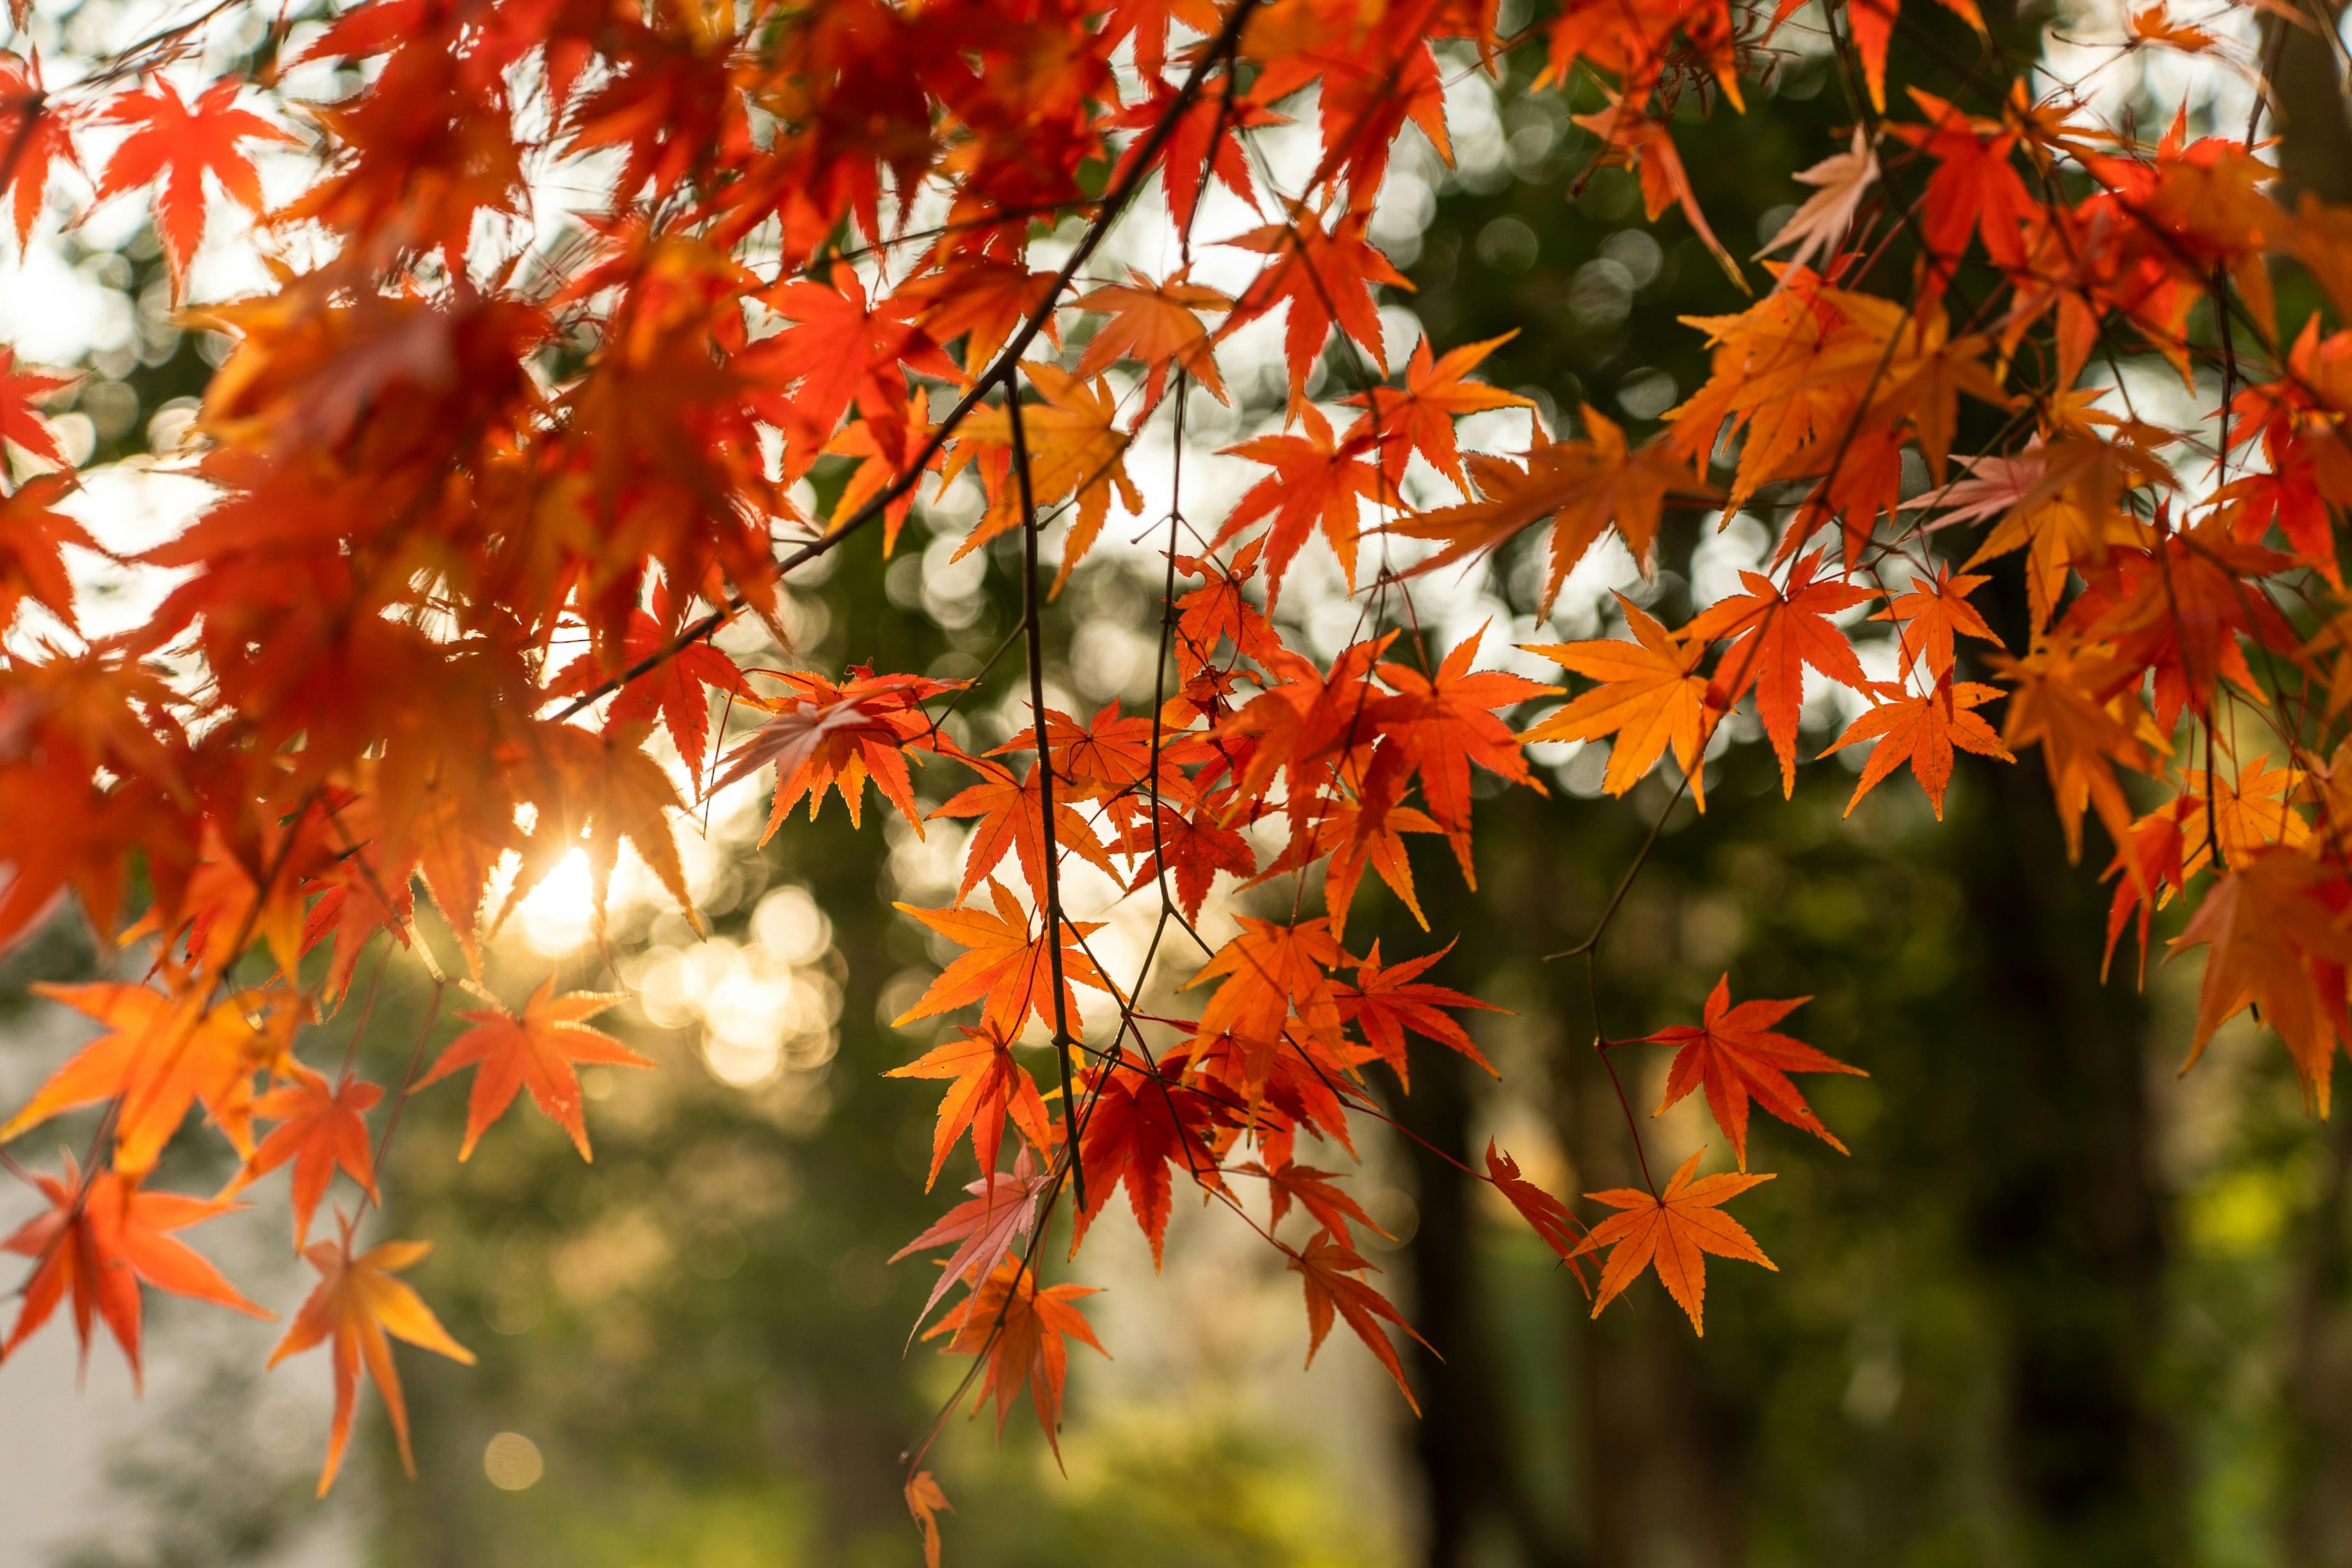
(1464, 1441)
(2308, 106)
(2319, 1370)
(2062, 1214)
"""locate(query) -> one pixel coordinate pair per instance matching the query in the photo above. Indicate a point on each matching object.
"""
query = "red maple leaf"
(1736, 1054)
(1777, 630)
(178, 143)
(103, 1238)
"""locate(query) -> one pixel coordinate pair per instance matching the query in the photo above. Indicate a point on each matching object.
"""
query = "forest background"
(2055, 1308)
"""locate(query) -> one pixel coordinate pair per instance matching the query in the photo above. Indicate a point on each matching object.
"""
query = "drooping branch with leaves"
(483, 491)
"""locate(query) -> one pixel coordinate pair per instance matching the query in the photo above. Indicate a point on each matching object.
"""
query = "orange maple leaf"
(1935, 612)
(1326, 275)
(1675, 1232)
(1922, 731)
(926, 1502)
(1446, 721)
(177, 144)
(1777, 630)
(356, 1303)
(1418, 418)
(1157, 325)
(1386, 1002)
(673, 689)
(1145, 1123)
(1328, 1267)
(1012, 818)
(1008, 970)
(538, 1050)
(321, 1126)
(1075, 449)
(32, 560)
(37, 130)
(20, 426)
(100, 1240)
(827, 736)
(2277, 944)
(1024, 1331)
(1873, 26)
(1317, 482)
(1651, 696)
(2084, 709)
(1545, 1214)
(1585, 486)
(1736, 1054)
(161, 1055)
(989, 1088)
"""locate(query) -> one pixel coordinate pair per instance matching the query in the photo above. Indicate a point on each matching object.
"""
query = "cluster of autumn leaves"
(480, 501)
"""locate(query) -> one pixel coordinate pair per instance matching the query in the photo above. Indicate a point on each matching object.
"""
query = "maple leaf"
(982, 300)
(1007, 971)
(1445, 721)
(2148, 869)
(1325, 275)
(841, 350)
(1420, 416)
(672, 690)
(1549, 1217)
(1385, 1003)
(1932, 614)
(2079, 707)
(536, 1049)
(1269, 970)
(1777, 630)
(1192, 847)
(1737, 1056)
(926, 1502)
(1328, 1267)
(592, 792)
(1157, 325)
(1318, 481)
(1204, 143)
(1218, 611)
(1651, 696)
(321, 1126)
(1024, 1331)
(32, 561)
(178, 143)
(1675, 1232)
(1288, 1183)
(827, 736)
(2277, 942)
(34, 132)
(356, 1304)
(1630, 137)
(1872, 23)
(1922, 731)
(1975, 189)
(101, 1239)
(19, 426)
(989, 1088)
(1842, 180)
(1584, 485)
(1011, 818)
(1365, 831)
(1143, 1122)
(1076, 448)
(1002, 1209)
(162, 1053)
